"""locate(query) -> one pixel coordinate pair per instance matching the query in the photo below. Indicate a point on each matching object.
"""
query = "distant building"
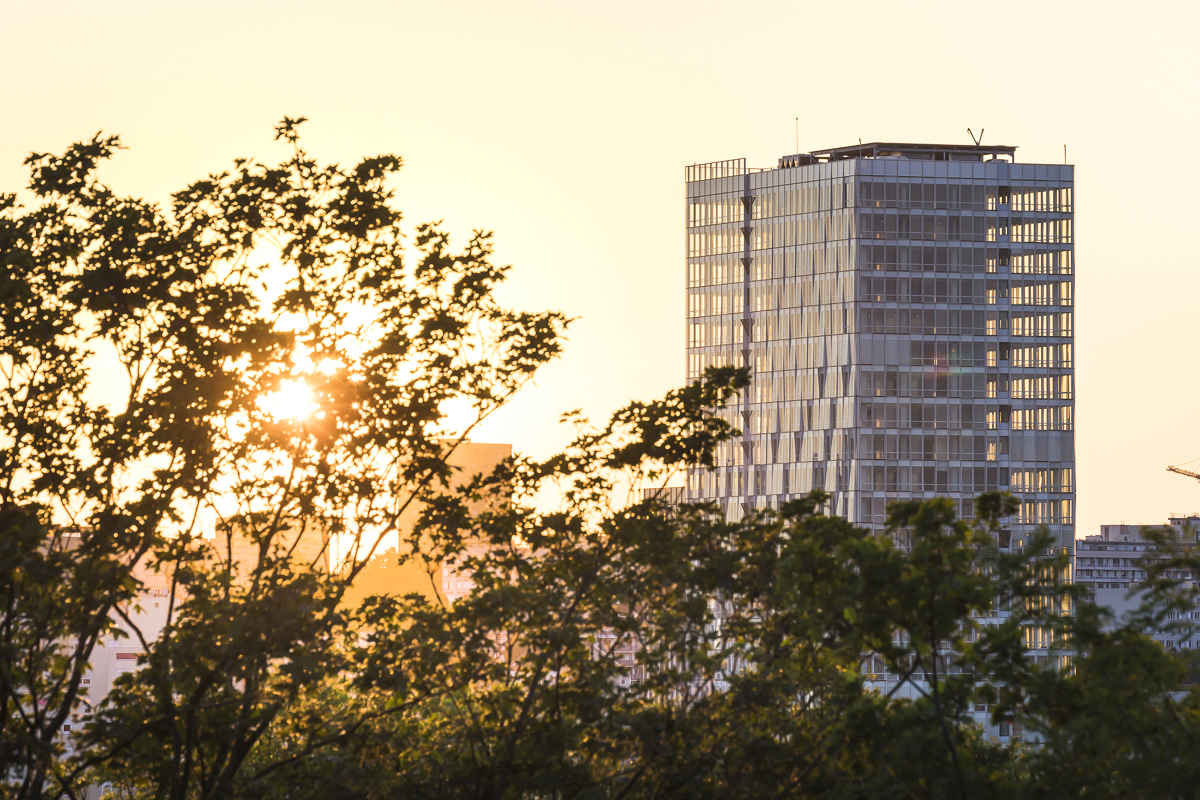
(1107, 564)
(470, 459)
(906, 313)
(672, 496)
(438, 582)
(308, 544)
(117, 654)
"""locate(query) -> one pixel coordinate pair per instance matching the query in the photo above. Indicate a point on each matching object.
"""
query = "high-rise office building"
(906, 312)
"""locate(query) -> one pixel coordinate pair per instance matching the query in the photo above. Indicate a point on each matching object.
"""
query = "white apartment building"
(1107, 564)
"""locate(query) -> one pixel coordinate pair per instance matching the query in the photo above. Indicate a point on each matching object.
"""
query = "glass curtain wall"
(909, 326)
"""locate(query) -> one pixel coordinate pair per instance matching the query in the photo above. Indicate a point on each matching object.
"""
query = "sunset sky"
(565, 128)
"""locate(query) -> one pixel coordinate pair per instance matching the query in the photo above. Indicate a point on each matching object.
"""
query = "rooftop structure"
(918, 152)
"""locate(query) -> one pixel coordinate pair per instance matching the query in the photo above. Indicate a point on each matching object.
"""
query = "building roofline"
(900, 148)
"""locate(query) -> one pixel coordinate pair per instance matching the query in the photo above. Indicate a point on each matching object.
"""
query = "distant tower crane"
(1181, 471)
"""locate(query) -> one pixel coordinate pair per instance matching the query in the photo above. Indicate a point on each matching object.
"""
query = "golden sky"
(565, 127)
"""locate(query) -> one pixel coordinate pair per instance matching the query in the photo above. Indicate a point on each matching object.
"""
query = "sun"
(293, 400)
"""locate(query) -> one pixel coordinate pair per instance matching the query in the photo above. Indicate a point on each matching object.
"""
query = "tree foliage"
(610, 649)
(257, 287)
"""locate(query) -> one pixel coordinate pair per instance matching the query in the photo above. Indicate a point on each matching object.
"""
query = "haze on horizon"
(565, 128)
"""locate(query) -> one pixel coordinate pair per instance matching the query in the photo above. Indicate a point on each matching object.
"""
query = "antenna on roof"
(977, 141)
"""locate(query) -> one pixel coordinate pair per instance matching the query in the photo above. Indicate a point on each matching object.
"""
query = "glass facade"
(908, 321)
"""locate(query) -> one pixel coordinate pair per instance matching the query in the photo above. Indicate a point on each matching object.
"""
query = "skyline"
(566, 131)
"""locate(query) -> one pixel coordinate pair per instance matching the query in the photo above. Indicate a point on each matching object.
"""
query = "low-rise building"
(1107, 563)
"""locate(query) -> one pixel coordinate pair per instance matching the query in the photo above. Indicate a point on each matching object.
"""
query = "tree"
(752, 636)
(257, 288)
(1126, 721)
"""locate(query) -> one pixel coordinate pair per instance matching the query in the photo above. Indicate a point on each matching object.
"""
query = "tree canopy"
(289, 363)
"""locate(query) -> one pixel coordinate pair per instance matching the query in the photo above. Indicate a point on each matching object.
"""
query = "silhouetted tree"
(282, 368)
